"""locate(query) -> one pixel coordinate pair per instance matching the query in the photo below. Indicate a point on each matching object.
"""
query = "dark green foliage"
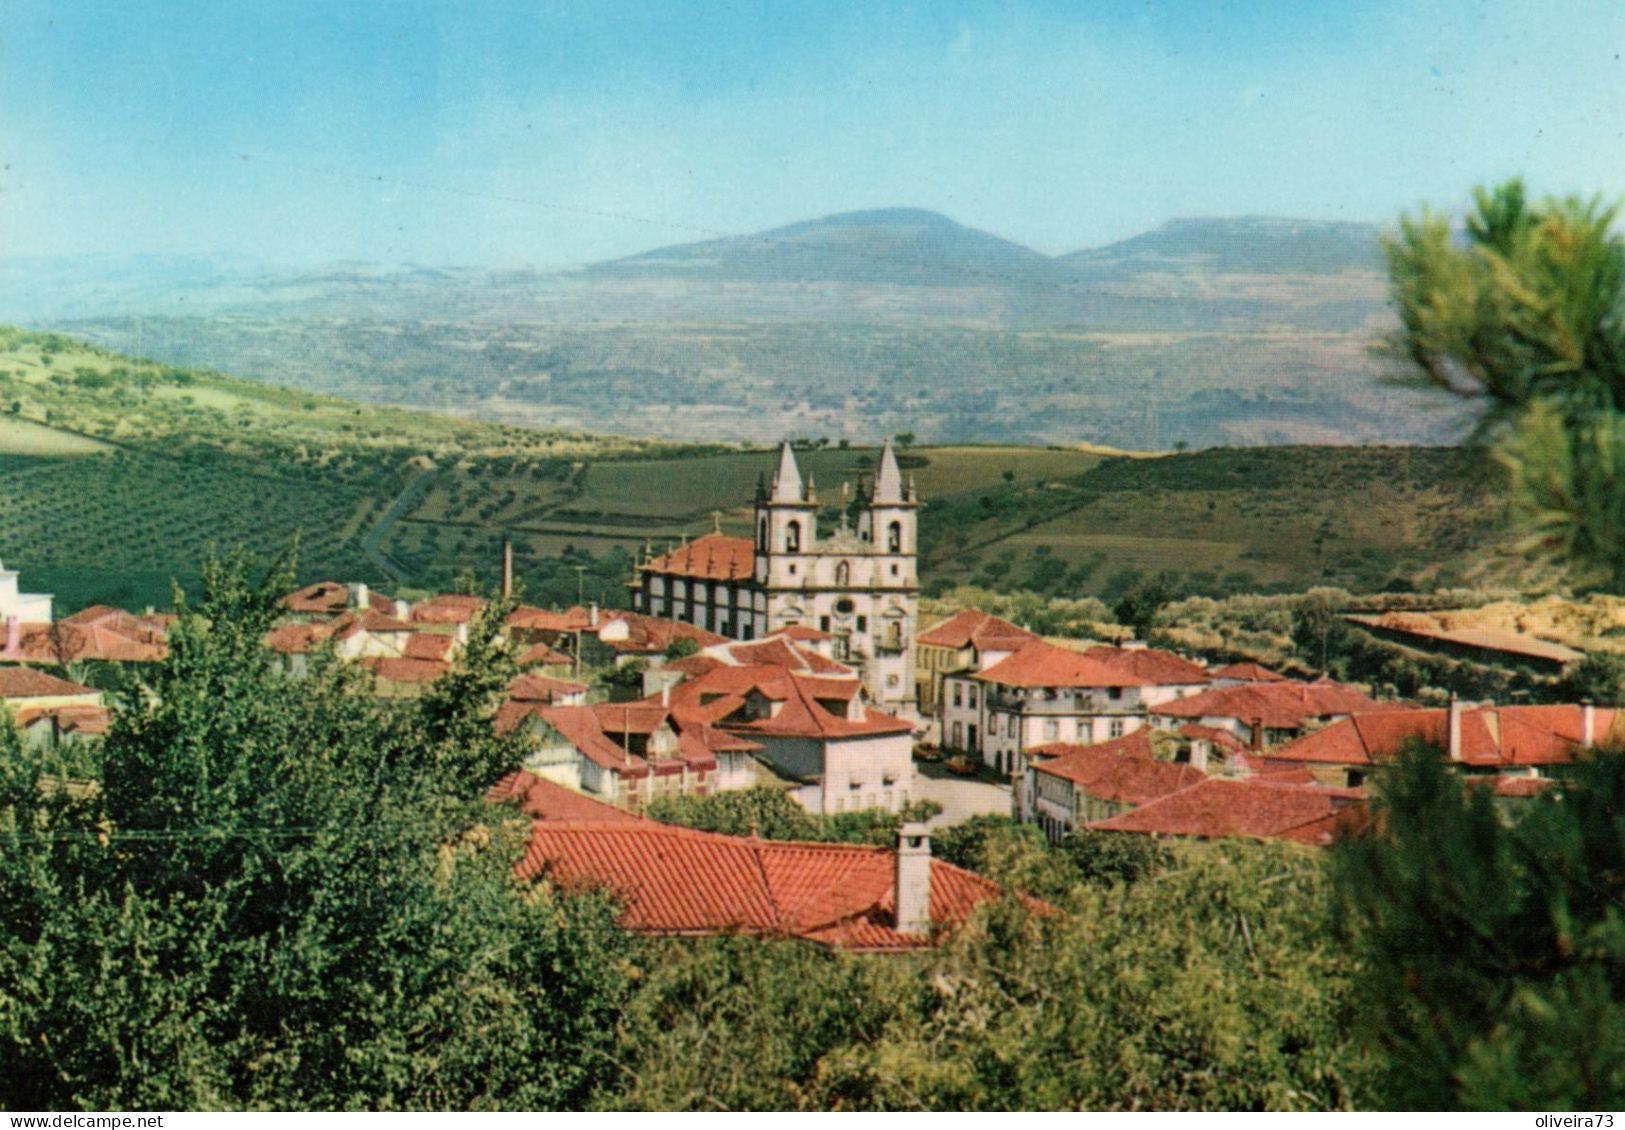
(1598, 678)
(1108, 857)
(1492, 945)
(1212, 984)
(1530, 318)
(281, 896)
(682, 647)
(770, 813)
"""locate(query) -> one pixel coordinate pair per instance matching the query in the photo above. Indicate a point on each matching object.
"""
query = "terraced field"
(119, 474)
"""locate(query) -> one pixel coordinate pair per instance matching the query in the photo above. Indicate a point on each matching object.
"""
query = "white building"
(1044, 694)
(21, 607)
(857, 583)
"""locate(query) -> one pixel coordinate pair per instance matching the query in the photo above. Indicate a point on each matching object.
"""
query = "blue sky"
(509, 133)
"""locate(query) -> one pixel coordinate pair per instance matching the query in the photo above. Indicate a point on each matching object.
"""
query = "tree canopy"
(1525, 314)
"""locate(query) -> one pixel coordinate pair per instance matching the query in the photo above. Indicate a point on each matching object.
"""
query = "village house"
(1261, 808)
(19, 606)
(1481, 741)
(98, 634)
(808, 716)
(1043, 694)
(968, 640)
(47, 710)
(1264, 714)
(1071, 785)
(856, 584)
(681, 882)
(1436, 632)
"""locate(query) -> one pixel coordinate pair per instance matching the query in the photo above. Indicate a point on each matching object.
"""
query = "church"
(856, 584)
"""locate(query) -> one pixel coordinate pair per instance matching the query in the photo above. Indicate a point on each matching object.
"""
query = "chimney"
(507, 568)
(592, 614)
(1199, 748)
(1453, 729)
(1588, 724)
(14, 635)
(912, 897)
(362, 597)
(665, 692)
(462, 632)
(1258, 734)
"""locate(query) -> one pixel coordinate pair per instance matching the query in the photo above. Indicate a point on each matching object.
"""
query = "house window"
(992, 723)
(1052, 729)
(959, 735)
(973, 698)
(957, 695)
(1116, 728)
(1115, 693)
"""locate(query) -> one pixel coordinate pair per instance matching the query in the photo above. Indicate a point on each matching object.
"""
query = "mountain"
(1244, 331)
(908, 246)
(1250, 245)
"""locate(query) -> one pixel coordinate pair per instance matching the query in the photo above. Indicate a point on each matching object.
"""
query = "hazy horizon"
(497, 135)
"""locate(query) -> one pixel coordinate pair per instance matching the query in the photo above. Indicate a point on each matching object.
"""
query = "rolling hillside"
(1206, 332)
(120, 475)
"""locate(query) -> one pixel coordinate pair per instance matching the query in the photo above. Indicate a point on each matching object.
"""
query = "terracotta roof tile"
(1124, 775)
(25, 682)
(713, 557)
(980, 630)
(1219, 808)
(1281, 706)
(679, 881)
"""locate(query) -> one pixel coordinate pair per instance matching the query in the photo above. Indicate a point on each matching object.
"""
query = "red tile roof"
(680, 881)
(25, 682)
(297, 639)
(539, 688)
(116, 638)
(803, 633)
(1257, 808)
(647, 635)
(392, 670)
(713, 557)
(547, 800)
(449, 608)
(1490, 736)
(1121, 771)
(430, 645)
(526, 618)
(86, 721)
(1045, 665)
(980, 630)
(1152, 667)
(1281, 706)
(323, 597)
(773, 652)
(543, 655)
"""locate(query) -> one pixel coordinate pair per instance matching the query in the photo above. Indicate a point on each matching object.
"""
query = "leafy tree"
(1528, 320)
(1319, 631)
(1598, 678)
(270, 891)
(1491, 947)
(682, 647)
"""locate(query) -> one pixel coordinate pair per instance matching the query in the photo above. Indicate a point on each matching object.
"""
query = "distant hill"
(1252, 245)
(1246, 331)
(909, 246)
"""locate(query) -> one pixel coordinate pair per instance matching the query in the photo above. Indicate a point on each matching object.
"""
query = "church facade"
(857, 584)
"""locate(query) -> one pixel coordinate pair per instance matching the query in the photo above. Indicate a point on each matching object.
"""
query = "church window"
(823, 623)
(894, 569)
(843, 574)
(863, 623)
(761, 535)
(844, 607)
(894, 538)
(792, 537)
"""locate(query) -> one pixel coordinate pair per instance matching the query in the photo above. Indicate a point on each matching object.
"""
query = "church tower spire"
(787, 479)
(889, 478)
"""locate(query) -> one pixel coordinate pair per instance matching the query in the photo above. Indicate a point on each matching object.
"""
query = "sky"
(546, 134)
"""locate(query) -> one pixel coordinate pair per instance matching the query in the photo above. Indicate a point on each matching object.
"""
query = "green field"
(120, 474)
